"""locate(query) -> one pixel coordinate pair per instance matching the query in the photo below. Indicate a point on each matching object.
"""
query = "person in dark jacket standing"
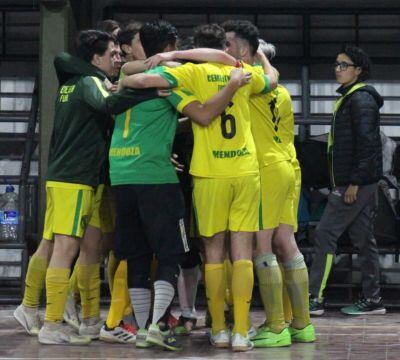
(355, 166)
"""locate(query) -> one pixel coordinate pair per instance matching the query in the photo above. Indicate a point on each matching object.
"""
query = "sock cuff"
(144, 291)
(162, 283)
(296, 263)
(265, 260)
(122, 268)
(210, 267)
(90, 267)
(243, 262)
(58, 273)
(39, 263)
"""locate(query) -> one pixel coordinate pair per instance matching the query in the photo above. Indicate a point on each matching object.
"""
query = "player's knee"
(168, 270)
(139, 272)
(191, 259)
(45, 249)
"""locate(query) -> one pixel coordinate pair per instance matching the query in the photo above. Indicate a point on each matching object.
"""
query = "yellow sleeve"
(180, 76)
(180, 98)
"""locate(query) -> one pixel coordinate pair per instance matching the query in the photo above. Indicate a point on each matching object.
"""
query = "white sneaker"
(251, 332)
(220, 339)
(28, 318)
(71, 316)
(91, 327)
(117, 335)
(241, 343)
(60, 334)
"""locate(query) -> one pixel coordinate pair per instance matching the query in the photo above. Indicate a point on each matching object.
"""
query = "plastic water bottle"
(9, 215)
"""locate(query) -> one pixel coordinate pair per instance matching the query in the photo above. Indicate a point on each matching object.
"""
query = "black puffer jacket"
(356, 154)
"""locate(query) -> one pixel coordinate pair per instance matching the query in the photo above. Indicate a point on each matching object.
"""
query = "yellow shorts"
(103, 216)
(68, 209)
(297, 190)
(226, 204)
(277, 195)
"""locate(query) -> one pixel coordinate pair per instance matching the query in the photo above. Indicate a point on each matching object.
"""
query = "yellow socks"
(73, 282)
(35, 281)
(128, 304)
(270, 285)
(228, 275)
(287, 306)
(242, 290)
(296, 278)
(89, 288)
(57, 284)
(112, 265)
(118, 296)
(215, 291)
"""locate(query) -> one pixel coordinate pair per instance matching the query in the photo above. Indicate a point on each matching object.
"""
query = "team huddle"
(113, 193)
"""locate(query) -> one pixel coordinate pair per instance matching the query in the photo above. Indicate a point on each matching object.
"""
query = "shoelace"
(314, 303)
(129, 328)
(361, 304)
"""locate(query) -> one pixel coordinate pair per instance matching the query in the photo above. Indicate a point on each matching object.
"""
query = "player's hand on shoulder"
(155, 60)
(240, 77)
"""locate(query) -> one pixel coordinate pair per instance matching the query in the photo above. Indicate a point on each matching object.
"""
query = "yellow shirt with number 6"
(225, 148)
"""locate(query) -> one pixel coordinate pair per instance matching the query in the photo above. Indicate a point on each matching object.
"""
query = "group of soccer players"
(246, 185)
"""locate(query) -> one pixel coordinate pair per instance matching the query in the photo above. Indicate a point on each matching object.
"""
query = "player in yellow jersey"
(226, 181)
(277, 195)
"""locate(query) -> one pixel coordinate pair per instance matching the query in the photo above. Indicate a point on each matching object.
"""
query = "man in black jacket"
(355, 166)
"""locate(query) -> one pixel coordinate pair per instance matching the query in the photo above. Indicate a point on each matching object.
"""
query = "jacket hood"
(369, 89)
(68, 66)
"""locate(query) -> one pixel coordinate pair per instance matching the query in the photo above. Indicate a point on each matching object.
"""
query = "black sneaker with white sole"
(316, 306)
(365, 306)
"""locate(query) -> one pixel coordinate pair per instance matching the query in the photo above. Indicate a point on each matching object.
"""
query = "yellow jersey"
(266, 125)
(284, 104)
(225, 148)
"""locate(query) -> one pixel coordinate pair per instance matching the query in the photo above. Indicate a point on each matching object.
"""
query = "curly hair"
(360, 59)
(244, 30)
(209, 35)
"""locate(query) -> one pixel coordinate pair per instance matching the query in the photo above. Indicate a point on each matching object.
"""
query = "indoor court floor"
(339, 337)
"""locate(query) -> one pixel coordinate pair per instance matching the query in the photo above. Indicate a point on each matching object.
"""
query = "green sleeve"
(123, 100)
(165, 74)
(94, 94)
(267, 87)
(97, 97)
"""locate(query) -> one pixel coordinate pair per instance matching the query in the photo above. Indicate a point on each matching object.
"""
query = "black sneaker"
(316, 306)
(365, 306)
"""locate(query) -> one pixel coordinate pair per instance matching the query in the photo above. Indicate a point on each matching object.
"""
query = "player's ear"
(127, 49)
(96, 59)
(243, 51)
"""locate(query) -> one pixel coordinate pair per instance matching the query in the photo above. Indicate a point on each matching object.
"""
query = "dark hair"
(108, 25)
(359, 58)
(186, 43)
(128, 32)
(244, 30)
(210, 36)
(91, 42)
(156, 35)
